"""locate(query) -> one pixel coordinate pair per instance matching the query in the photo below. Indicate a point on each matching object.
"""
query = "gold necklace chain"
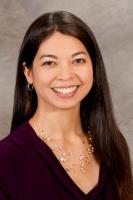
(64, 156)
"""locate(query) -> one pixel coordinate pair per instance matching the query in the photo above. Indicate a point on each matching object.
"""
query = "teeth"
(65, 90)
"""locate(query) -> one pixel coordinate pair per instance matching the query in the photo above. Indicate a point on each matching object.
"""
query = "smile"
(66, 91)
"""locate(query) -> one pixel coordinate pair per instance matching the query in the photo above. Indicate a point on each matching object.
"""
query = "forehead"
(61, 44)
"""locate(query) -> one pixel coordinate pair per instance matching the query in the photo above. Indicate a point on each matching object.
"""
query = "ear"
(28, 73)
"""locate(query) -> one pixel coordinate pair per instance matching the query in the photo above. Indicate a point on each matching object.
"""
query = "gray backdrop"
(110, 20)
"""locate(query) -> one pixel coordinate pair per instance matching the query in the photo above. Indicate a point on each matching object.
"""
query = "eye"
(49, 63)
(79, 61)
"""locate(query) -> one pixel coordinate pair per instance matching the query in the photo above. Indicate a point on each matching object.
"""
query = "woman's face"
(62, 72)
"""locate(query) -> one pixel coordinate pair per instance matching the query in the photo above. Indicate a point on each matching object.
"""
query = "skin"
(69, 65)
(62, 72)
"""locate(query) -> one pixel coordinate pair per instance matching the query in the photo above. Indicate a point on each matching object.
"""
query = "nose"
(65, 72)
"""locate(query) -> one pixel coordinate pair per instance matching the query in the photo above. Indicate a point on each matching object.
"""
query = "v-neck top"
(29, 170)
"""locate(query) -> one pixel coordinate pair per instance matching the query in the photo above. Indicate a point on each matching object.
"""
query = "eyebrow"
(53, 56)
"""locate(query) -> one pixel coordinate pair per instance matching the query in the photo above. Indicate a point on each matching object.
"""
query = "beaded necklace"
(64, 156)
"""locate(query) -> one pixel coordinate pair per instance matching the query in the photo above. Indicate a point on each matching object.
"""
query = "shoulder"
(12, 151)
(10, 148)
(13, 147)
(13, 141)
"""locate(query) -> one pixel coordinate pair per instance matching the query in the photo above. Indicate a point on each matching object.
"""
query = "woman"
(64, 141)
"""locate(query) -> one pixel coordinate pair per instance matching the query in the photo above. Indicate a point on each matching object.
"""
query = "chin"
(67, 106)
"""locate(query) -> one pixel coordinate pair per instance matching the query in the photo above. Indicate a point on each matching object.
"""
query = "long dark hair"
(96, 108)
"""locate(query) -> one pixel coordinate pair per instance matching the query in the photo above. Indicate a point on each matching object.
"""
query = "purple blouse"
(30, 171)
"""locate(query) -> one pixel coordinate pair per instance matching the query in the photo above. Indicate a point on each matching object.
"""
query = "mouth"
(65, 91)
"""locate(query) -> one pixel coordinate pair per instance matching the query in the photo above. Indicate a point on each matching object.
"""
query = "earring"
(24, 64)
(30, 87)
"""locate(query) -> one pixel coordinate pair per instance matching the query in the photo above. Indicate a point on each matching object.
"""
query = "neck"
(59, 124)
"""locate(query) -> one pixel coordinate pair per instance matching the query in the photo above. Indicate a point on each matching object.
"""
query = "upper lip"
(65, 86)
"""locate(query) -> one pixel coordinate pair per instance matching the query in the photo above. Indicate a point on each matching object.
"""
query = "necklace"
(66, 157)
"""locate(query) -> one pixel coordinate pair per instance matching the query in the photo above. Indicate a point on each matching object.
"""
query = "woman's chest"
(84, 175)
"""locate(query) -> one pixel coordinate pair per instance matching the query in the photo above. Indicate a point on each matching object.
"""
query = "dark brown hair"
(96, 108)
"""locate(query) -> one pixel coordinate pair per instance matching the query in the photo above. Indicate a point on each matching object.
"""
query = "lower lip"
(68, 95)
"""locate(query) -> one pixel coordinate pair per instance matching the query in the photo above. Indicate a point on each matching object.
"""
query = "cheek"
(42, 80)
(87, 75)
